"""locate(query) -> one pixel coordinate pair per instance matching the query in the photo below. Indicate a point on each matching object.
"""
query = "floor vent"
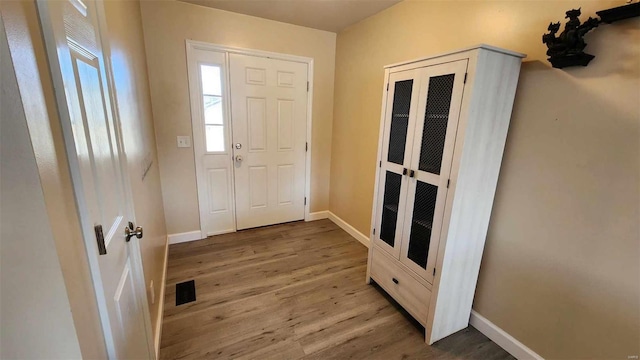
(185, 292)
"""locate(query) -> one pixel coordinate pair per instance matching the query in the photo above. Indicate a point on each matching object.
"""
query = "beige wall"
(35, 314)
(166, 26)
(132, 88)
(560, 271)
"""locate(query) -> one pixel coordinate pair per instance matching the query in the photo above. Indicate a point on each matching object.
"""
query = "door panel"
(210, 122)
(257, 119)
(98, 172)
(432, 152)
(258, 186)
(400, 116)
(286, 122)
(286, 177)
(269, 107)
(217, 191)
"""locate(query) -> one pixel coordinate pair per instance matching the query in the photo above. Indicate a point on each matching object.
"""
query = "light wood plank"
(292, 291)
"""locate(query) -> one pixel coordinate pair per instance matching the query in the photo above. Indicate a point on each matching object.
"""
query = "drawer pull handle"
(395, 280)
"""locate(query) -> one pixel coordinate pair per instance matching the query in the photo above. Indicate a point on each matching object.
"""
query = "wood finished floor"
(293, 291)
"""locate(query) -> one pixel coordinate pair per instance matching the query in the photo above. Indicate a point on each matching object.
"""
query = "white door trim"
(199, 45)
(82, 209)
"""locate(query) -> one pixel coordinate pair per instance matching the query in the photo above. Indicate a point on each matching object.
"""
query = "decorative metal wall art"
(567, 49)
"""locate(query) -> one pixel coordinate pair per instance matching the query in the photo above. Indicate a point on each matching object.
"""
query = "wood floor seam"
(293, 291)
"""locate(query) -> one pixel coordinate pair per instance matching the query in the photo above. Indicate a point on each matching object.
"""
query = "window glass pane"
(211, 81)
(215, 137)
(213, 113)
(399, 121)
(212, 109)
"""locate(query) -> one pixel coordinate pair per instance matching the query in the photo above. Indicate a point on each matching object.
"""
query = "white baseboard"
(318, 215)
(158, 332)
(503, 339)
(364, 239)
(184, 237)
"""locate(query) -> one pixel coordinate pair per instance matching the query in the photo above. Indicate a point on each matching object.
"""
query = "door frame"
(82, 210)
(192, 45)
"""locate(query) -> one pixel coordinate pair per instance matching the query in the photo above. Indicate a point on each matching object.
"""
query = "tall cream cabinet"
(442, 135)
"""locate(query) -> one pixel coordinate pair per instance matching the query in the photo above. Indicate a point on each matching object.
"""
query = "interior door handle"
(130, 232)
(238, 158)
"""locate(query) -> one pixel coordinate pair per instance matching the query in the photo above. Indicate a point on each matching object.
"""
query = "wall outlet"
(152, 293)
(184, 141)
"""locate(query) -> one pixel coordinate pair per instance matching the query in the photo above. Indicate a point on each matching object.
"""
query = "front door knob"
(238, 158)
(130, 232)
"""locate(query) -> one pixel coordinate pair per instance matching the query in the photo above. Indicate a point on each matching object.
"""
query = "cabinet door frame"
(384, 165)
(459, 68)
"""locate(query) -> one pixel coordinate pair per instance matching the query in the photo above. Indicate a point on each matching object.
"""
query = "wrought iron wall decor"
(567, 49)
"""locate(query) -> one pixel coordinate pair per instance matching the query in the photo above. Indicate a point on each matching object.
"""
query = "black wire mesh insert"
(399, 121)
(390, 204)
(422, 223)
(436, 118)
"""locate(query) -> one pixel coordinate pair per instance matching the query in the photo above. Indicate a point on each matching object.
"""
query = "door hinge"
(465, 78)
(307, 86)
(306, 146)
(374, 231)
(380, 165)
(448, 182)
(434, 271)
(305, 200)
(387, 86)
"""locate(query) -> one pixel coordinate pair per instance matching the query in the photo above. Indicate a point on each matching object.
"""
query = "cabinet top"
(470, 48)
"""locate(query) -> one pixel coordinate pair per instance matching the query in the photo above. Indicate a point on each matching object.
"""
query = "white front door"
(98, 168)
(269, 115)
(211, 140)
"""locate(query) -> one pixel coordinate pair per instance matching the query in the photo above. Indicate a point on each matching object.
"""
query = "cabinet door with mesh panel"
(438, 107)
(400, 118)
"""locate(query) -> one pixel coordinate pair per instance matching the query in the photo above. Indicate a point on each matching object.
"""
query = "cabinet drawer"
(403, 287)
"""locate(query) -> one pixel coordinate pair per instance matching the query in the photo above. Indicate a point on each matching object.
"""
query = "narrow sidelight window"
(214, 122)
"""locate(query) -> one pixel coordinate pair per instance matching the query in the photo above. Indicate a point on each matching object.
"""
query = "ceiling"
(329, 15)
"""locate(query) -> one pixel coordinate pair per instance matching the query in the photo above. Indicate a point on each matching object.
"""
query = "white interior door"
(211, 139)
(269, 116)
(98, 171)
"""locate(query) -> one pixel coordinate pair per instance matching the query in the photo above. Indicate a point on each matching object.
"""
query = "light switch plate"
(184, 141)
